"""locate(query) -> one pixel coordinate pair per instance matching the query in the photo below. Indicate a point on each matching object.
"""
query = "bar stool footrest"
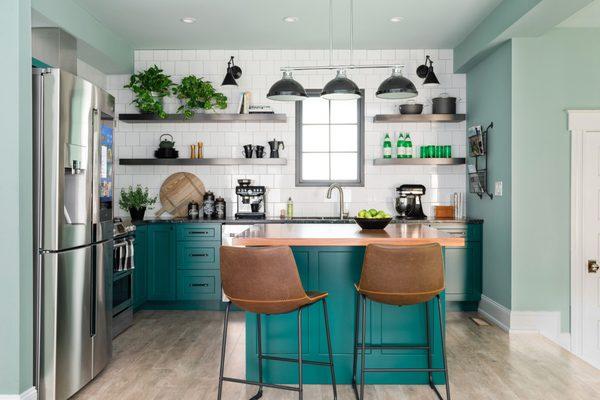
(295, 360)
(254, 383)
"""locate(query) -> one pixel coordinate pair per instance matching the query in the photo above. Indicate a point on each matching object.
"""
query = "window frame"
(360, 123)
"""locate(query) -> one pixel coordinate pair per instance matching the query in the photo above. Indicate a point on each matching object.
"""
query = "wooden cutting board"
(177, 191)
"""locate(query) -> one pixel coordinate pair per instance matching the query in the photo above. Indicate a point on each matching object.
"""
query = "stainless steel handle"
(593, 267)
(199, 255)
(199, 284)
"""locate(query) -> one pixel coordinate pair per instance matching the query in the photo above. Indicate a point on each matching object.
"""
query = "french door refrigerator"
(73, 127)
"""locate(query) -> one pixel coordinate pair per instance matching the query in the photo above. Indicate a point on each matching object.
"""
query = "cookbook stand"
(478, 180)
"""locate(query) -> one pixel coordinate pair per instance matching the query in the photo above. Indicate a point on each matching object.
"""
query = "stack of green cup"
(432, 151)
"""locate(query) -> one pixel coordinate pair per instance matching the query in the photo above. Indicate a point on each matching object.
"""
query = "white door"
(590, 349)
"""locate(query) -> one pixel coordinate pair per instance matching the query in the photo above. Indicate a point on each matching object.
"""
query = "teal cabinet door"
(140, 273)
(161, 262)
(463, 272)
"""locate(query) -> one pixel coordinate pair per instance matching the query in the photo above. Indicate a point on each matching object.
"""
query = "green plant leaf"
(137, 197)
(195, 94)
(149, 87)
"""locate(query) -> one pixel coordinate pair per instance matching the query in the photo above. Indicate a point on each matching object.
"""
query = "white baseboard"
(495, 313)
(29, 394)
(546, 323)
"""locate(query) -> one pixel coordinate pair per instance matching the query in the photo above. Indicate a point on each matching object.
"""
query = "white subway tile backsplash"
(261, 68)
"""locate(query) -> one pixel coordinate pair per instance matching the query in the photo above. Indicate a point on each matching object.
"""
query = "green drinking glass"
(448, 151)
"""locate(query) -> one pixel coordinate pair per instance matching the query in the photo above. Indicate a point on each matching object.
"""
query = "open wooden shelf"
(418, 161)
(386, 118)
(207, 117)
(203, 161)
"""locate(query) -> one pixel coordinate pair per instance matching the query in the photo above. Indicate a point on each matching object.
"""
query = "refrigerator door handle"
(96, 170)
(93, 284)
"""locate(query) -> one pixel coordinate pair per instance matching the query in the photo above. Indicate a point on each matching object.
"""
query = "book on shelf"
(260, 110)
(244, 103)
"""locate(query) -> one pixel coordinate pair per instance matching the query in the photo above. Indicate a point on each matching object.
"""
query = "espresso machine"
(408, 202)
(251, 200)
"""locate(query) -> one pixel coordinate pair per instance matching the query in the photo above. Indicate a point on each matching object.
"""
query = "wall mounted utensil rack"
(478, 149)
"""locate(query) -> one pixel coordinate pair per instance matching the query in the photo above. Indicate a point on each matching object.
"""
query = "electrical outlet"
(498, 188)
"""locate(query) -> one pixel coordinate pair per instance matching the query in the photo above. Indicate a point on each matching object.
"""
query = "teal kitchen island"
(329, 259)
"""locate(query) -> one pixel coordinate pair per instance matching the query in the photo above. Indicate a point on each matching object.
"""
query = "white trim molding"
(29, 394)
(495, 313)
(579, 122)
(546, 323)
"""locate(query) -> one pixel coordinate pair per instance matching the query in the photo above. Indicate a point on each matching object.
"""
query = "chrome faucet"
(338, 187)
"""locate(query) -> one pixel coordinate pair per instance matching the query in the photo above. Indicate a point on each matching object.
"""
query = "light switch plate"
(498, 188)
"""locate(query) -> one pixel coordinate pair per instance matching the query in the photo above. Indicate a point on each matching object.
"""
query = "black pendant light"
(287, 89)
(396, 87)
(341, 88)
(233, 72)
(426, 71)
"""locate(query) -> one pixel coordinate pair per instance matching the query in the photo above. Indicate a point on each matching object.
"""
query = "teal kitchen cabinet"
(161, 262)
(463, 266)
(140, 273)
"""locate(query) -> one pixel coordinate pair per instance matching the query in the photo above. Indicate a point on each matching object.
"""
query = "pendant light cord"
(351, 31)
(330, 32)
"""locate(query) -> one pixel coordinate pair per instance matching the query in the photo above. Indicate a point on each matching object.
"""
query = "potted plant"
(150, 87)
(196, 94)
(135, 201)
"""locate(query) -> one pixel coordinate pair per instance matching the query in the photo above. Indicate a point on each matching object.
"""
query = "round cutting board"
(177, 191)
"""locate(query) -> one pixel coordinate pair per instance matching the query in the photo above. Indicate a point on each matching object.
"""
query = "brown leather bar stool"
(400, 276)
(265, 280)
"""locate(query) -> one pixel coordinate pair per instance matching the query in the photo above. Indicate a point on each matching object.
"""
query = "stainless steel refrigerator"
(73, 127)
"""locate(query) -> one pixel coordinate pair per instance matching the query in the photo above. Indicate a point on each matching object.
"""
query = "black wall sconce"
(233, 72)
(425, 71)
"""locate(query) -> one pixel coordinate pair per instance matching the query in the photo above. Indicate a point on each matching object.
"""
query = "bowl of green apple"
(372, 219)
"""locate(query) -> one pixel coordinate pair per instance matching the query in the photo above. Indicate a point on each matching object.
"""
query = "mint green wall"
(489, 99)
(16, 298)
(103, 49)
(551, 73)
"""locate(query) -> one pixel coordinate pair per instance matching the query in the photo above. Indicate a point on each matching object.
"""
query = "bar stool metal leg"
(300, 354)
(259, 394)
(363, 348)
(222, 366)
(428, 334)
(443, 341)
(355, 358)
(330, 350)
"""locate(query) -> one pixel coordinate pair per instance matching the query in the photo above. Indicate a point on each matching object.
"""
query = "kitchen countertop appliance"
(122, 283)
(251, 200)
(408, 202)
(73, 231)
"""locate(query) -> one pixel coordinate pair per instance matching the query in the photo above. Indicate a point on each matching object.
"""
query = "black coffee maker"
(408, 202)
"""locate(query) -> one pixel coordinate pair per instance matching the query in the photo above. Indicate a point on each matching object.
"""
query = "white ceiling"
(257, 24)
(587, 17)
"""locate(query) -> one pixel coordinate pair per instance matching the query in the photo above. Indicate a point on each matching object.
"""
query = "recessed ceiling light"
(396, 19)
(188, 20)
(290, 19)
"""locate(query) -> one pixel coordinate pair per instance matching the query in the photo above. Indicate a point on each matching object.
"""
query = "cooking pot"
(444, 104)
(166, 144)
(411, 108)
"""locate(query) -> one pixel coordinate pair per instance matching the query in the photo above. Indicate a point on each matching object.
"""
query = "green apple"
(362, 213)
(373, 212)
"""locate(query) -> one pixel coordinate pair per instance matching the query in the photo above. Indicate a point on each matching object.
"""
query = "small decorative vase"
(137, 214)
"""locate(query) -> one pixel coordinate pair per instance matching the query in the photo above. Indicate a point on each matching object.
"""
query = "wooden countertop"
(342, 235)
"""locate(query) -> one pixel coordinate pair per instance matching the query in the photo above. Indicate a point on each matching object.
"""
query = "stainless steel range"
(123, 266)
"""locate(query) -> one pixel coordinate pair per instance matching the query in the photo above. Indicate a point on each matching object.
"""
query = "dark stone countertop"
(301, 220)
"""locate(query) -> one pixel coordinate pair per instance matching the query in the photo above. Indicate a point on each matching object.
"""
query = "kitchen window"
(330, 141)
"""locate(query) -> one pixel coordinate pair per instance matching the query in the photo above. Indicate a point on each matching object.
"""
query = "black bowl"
(372, 223)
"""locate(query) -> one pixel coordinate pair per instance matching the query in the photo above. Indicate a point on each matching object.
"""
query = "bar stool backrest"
(263, 280)
(402, 275)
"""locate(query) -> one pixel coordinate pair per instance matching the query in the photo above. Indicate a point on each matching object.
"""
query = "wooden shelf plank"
(386, 118)
(202, 161)
(204, 118)
(418, 161)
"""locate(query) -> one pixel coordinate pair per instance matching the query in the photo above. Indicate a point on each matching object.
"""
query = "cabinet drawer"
(198, 285)
(192, 232)
(198, 255)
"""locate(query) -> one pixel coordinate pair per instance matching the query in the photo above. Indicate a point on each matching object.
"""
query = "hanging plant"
(197, 94)
(150, 87)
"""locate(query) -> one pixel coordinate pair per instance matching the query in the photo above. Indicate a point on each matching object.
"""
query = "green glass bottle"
(400, 146)
(407, 146)
(387, 146)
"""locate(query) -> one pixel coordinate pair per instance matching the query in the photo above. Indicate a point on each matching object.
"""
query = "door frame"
(579, 122)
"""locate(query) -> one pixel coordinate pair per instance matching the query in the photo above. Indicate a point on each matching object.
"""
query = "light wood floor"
(175, 355)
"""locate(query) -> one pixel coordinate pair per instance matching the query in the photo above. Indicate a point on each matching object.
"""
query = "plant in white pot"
(197, 94)
(150, 87)
(136, 200)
